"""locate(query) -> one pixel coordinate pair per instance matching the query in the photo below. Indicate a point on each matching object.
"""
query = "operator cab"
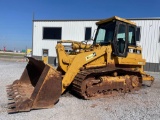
(118, 32)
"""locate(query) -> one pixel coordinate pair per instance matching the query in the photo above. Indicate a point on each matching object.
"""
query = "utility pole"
(4, 48)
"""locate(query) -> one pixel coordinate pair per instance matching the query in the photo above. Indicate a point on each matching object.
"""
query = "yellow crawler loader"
(112, 63)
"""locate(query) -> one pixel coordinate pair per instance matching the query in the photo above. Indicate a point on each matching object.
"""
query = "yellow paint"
(29, 52)
(115, 18)
(45, 59)
(45, 56)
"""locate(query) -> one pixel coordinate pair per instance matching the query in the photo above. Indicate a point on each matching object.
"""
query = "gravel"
(142, 105)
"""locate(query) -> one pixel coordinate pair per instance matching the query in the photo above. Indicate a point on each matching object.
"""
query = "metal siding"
(157, 68)
(71, 30)
(154, 67)
(149, 39)
(145, 67)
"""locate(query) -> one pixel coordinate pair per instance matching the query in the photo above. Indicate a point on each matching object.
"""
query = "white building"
(44, 43)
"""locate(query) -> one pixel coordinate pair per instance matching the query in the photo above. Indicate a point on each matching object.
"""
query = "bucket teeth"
(21, 105)
(17, 96)
(15, 100)
(12, 85)
(8, 86)
(12, 93)
(10, 111)
(11, 96)
(17, 104)
(10, 106)
(11, 101)
(11, 88)
(16, 93)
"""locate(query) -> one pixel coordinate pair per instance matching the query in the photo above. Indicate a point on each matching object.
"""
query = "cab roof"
(115, 18)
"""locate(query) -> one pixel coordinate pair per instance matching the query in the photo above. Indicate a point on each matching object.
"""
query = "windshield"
(105, 33)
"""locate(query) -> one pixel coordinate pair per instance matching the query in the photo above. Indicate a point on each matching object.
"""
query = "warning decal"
(90, 56)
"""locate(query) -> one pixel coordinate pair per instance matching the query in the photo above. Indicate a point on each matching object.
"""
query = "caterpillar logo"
(90, 56)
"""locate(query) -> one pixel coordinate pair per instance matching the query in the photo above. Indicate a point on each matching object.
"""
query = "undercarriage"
(97, 83)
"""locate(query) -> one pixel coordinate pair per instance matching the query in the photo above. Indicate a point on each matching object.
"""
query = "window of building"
(52, 33)
(138, 34)
(88, 33)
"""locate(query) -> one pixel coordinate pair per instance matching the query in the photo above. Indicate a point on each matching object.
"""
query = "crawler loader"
(112, 63)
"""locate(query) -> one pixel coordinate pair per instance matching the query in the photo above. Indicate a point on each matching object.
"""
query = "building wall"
(71, 30)
(150, 30)
(150, 42)
(75, 30)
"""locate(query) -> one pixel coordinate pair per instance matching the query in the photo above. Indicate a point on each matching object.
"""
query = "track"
(93, 83)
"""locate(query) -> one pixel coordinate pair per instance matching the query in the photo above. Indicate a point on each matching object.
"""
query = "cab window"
(105, 33)
(131, 36)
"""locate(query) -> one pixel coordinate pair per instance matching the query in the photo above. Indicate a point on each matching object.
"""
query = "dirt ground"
(142, 105)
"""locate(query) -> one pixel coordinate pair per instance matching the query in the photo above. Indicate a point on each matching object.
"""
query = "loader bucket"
(39, 87)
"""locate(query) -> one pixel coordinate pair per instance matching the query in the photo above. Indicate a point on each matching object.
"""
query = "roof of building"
(50, 20)
(61, 20)
(148, 18)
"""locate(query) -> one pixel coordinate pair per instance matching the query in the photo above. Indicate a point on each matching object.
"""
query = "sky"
(16, 15)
